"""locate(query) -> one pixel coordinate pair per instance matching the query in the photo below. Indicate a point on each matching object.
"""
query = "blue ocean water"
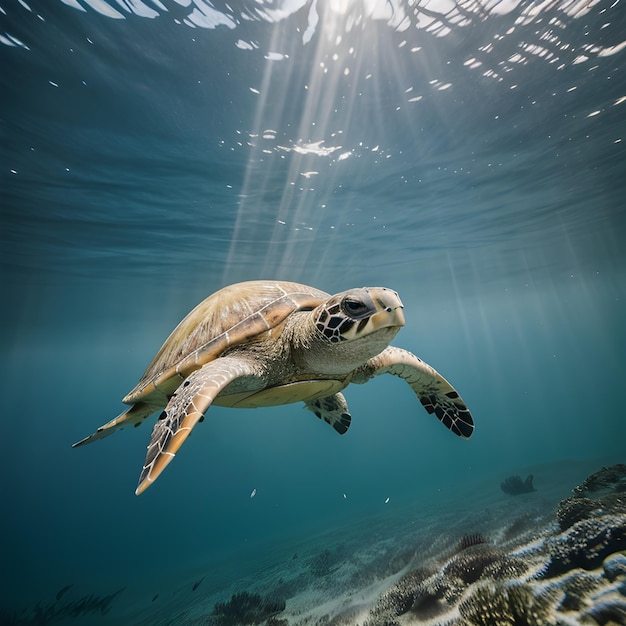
(470, 155)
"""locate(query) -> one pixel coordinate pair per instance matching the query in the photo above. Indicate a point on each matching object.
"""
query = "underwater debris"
(197, 584)
(514, 485)
(246, 608)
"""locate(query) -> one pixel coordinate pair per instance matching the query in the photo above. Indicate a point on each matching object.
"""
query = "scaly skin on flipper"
(435, 393)
(185, 409)
(333, 410)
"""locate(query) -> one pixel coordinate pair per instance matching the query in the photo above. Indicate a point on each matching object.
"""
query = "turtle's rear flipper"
(133, 416)
(185, 409)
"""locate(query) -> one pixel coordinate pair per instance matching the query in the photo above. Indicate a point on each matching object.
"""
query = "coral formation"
(608, 613)
(503, 605)
(247, 608)
(586, 544)
(615, 567)
(470, 540)
(574, 509)
(552, 576)
(608, 478)
(601, 493)
(426, 594)
(514, 485)
(473, 564)
(576, 589)
(418, 592)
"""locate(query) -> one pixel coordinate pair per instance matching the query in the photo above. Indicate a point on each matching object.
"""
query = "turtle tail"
(134, 416)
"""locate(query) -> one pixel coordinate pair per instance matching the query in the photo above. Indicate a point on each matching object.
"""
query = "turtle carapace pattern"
(268, 343)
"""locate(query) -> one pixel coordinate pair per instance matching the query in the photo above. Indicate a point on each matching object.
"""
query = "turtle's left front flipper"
(185, 409)
(435, 393)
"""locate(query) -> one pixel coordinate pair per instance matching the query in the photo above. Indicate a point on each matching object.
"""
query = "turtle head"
(359, 313)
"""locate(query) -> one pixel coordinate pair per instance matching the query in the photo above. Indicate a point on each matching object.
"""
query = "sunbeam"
(318, 93)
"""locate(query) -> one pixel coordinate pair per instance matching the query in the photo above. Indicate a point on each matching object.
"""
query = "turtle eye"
(354, 308)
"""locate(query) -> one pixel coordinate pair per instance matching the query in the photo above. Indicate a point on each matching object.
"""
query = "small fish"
(253, 493)
(63, 591)
(196, 585)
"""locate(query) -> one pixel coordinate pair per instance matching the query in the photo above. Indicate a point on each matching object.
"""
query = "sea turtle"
(267, 343)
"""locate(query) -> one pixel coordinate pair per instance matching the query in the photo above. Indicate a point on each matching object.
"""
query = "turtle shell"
(235, 315)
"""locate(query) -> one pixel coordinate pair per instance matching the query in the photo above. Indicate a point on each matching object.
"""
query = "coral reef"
(586, 544)
(514, 485)
(427, 594)
(575, 509)
(608, 478)
(579, 572)
(473, 564)
(615, 567)
(498, 604)
(603, 492)
(607, 613)
(416, 592)
(576, 588)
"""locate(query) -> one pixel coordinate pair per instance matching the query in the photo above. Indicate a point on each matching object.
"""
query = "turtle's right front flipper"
(435, 393)
(185, 409)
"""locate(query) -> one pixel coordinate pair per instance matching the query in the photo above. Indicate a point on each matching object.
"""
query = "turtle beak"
(390, 307)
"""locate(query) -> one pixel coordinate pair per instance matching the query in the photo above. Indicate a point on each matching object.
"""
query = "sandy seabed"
(552, 556)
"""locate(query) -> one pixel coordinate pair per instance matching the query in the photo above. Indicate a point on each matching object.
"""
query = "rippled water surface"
(470, 155)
